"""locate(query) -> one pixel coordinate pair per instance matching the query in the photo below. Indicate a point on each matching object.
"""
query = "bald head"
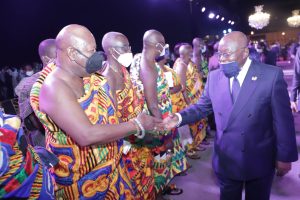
(47, 51)
(185, 49)
(114, 39)
(153, 37)
(233, 47)
(74, 45)
(76, 36)
(197, 42)
(47, 48)
(234, 40)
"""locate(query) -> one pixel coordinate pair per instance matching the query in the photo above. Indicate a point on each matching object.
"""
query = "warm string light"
(212, 15)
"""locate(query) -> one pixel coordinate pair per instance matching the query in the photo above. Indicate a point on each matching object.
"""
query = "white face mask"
(163, 52)
(125, 59)
(29, 73)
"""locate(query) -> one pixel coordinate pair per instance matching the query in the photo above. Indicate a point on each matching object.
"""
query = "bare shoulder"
(181, 68)
(53, 91)
(148, 69)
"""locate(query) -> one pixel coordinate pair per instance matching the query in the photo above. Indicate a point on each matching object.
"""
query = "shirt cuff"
(179, 119)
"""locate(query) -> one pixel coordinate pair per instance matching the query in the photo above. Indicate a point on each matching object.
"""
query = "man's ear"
(112, 52)
(246, 53)
(45, 59)
(72, 53)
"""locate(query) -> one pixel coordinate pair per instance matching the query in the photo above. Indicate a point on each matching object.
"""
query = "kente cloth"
(139, 159)
(194, 89)
(129, 104)
(204, 67)
(177, 99)
(89, 172)
(179, 161)
(194, 84)
(198, 131)
(160, 144)
(22, 174)
(139, 162)
(162, 159)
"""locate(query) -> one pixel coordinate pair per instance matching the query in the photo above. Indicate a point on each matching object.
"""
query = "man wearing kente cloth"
(35, 130)
(82, 129)
(199, 57)
(179, 161)
(192, 87)
(158, 103)
(22, 173)
(138, 159)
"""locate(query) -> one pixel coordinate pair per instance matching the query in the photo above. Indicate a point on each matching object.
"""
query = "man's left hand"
(294, 107)
(283, 168)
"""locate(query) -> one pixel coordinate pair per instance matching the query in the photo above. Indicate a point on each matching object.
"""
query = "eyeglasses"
(157, 45)
(227, 54)
(125, 48)
(81, 53)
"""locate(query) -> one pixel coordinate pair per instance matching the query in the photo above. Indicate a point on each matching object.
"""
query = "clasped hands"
(151, 123)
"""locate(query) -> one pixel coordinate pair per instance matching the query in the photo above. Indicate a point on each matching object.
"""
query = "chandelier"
(259, 19)
(294, 21)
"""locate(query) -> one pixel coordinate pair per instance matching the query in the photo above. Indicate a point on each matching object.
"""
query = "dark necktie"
(235, 89)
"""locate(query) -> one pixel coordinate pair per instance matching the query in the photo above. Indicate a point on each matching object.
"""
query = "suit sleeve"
(296, 79)
(283, 121)
(199, 110)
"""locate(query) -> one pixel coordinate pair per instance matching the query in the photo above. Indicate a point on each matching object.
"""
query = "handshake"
(151, 123)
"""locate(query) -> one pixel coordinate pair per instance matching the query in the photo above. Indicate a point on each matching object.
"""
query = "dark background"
(24, 23)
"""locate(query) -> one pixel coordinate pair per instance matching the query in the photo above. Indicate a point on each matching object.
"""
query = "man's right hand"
(170, 122)
(294, 106)
(150, 123)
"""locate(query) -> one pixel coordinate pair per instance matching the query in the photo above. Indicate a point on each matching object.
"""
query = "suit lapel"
(251, 81)
(225, 98)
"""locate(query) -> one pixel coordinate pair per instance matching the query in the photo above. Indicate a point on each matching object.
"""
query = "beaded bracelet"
(142, 134)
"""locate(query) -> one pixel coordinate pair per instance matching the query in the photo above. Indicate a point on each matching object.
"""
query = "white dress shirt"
(242, 74)
(241, 77)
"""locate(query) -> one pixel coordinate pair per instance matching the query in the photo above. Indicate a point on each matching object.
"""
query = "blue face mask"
(230, 69)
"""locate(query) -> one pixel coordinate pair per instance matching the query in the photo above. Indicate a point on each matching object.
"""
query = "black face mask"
(95, 62)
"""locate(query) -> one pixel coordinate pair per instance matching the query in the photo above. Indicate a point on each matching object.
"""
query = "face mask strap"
(82, 53)
(83, 56)
(116, 52)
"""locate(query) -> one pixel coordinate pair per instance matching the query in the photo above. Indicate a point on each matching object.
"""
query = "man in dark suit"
(255, 130)
(296, 84)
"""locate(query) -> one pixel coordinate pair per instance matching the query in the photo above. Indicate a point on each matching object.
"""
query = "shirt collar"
(246, 65)
(245, 68)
